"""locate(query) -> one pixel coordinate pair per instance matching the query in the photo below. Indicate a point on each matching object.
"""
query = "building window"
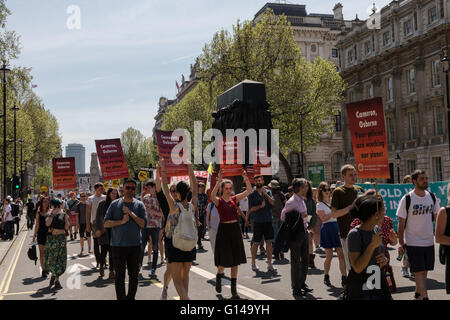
(441, 6)
(412, 81)
(313, 48)
(436, 71)
(412, 126)
(391, 130)
(387, 38)
(370, 91)
(367, 48)
(432, 15)
(437, 169)
(338, 162)
(411, 166)
(350, 56)
(407, 27)
(334, 53)
(415, 21)
(438, 121)
(389, 91)
(338, 122)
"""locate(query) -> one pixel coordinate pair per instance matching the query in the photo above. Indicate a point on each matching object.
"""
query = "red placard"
(368, 132)
(230, 152)
(112, 160)
(64, 176)
(166, 144)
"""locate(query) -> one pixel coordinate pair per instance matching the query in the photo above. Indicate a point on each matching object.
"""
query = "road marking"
(157, 283)
(12, 267)
(252, 294)
(19, 293)
(79, 266)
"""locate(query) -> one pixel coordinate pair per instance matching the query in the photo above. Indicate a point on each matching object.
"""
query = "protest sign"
(64, 176)
(170, 147)
(368, 132)
(111, 158)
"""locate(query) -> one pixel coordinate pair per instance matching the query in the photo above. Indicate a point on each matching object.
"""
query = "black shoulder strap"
(408, 204)
(433, 196)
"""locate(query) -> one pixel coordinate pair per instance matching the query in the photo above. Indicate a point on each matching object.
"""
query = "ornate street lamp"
(4, 73)
(446, 67)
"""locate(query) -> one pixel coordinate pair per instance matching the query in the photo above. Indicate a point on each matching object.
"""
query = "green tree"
(266, 51)
(43, 177)
(137, 150)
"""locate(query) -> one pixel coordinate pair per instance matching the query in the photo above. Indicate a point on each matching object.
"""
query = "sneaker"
(343, 281)
(326, 280)
(90, 251)
(417, 296)
(81, 253)
(298, 293)
(164, 294)
(58, 285)
(405, 272)
(307, 289)
(271, 269)
(52, 282)
(255, 268)
(152, 272)
(112, 275)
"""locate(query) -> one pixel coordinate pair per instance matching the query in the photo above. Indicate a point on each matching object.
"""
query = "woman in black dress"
(41, 231)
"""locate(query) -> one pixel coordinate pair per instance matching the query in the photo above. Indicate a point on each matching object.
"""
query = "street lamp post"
(15, 148)
(397, 162)
(300, 114)
(5, 72)
(21, 168)
(446, 67)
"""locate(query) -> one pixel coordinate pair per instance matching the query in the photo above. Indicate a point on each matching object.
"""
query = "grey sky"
(109, 75)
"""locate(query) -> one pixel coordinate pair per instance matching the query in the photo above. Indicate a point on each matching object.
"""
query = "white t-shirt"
(93, 201)
(323, 207)
(243, 204)
(419, 226)
(8, 209)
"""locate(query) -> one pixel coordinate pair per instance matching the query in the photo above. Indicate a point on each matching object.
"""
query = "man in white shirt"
(416, 212)
(91, 212)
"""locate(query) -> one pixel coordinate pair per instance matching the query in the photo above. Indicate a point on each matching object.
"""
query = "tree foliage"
(137, 150)
(266, 51)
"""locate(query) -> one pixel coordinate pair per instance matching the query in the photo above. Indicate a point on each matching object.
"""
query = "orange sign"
(64, 176)
(368, 132)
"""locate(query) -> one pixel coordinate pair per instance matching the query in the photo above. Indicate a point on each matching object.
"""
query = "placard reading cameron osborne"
(368, 132)
(111, 158)
(171, 147)
(64, 176)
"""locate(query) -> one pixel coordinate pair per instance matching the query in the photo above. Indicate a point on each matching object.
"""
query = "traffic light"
(16, 183)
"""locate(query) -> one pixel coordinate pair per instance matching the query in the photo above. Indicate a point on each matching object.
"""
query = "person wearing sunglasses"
(329, 234)
(82, 222)
(126, 217)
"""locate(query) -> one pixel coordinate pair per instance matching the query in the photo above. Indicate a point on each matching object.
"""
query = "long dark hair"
(108, 200)
(309, 194)
(41, 207)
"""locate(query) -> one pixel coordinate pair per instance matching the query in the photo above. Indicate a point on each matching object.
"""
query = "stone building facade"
(400, 61)
(317, 36)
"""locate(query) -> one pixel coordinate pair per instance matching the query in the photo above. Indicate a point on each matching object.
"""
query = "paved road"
(20, 279)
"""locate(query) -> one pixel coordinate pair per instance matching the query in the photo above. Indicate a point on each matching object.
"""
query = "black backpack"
(15, 208)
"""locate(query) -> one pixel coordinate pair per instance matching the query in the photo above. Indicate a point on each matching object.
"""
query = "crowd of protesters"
(171, 221)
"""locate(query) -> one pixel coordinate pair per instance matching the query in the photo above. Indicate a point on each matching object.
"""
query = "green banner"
(393, 193)
(316, 173)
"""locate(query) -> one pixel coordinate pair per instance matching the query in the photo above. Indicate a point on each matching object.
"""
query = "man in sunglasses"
(126, 217)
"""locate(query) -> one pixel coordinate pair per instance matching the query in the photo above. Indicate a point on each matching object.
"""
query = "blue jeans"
(146, 234)
(276, 224)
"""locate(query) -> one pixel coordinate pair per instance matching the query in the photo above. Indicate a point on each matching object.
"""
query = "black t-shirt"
(15, 208)
(30, 208)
